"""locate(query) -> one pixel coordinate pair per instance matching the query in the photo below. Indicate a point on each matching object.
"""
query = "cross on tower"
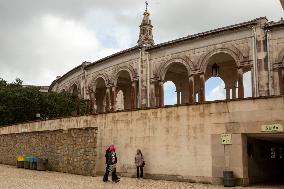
(146, 5)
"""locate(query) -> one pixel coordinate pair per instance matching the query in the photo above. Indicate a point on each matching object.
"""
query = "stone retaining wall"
(178, 143)
(69, 151)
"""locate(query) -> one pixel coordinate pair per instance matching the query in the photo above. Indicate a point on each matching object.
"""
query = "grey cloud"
(27, 51)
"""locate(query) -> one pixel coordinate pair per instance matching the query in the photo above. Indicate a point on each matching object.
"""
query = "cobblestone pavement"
(11, 177)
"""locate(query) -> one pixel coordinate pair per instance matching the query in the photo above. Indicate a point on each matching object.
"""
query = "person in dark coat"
(140, 163)
(111, 161)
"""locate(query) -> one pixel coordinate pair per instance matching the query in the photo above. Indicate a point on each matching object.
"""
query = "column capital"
(161, 82)
(240, 68)
(191, 76)
(197, 73)
(277, 66)
(133, 82)
(136, 79)
(202, 75)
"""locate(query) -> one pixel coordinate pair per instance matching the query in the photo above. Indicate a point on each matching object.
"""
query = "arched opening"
(100, 95)
(176, 78)
(123, 86)
(215, 89)
(74, 90)
(119, 100)
(170, 93)
(247, 84)
(221, 76)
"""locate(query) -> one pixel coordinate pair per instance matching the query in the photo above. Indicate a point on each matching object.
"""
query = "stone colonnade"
(110, 98)
(201, 89)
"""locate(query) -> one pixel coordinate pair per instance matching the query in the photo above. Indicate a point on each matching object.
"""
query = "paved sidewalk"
(11, 177)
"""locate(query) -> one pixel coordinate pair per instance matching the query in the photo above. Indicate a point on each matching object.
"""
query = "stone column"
(201, 97)
(161, 93)
(178, 96)
(92, 101)
(240, 83)
(152, 94)
(234, 92)
(113, 98)
(133, 95)
(281, 80)
(227, 93)
(191, 90)
(157, 93)
(107, 99)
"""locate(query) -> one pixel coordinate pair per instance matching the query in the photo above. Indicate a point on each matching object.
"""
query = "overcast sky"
(41, 39)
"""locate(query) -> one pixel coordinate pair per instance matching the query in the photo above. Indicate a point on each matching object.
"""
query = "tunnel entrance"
(265, 158)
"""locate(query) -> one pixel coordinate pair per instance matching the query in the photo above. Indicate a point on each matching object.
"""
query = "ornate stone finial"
(146, 5)
(146, 36)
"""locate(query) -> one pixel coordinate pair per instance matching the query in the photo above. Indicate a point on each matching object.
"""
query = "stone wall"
(69, 151)
(179, 142)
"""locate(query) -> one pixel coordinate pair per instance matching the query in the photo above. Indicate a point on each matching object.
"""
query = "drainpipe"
(255, 70)
(139, 75)
(85, 84)
(268, 61)
(148, 81)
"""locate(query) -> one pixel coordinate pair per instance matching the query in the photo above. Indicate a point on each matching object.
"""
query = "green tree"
(21, 104)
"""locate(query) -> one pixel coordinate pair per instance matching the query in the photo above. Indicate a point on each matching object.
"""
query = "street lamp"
(215, 70)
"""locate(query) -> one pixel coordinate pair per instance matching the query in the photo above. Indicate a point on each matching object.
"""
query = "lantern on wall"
(215, 70)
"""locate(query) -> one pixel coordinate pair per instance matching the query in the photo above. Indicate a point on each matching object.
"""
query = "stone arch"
(75, 89)
(95, 79)
(165, 66)
(128, 69)
(99, 94)
(124, 80)
(231, 50)
(279, 68)
(280, 59)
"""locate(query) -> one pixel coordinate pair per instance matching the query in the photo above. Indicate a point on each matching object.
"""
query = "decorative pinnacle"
(146, 5)
(146, 13)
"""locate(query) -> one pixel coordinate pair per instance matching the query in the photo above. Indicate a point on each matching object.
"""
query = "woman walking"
(140, 163)
(111, 161)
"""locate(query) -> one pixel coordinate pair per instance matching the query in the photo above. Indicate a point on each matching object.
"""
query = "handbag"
(143, 164)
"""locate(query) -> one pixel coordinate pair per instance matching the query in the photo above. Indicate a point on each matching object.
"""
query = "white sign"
(226, 139)
(272, 128)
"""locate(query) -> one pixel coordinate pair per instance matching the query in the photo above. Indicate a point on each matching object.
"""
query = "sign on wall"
(226, 139)
(272, 128)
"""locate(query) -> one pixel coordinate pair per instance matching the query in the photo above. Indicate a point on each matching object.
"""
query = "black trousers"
(114, 176)
(141, 172)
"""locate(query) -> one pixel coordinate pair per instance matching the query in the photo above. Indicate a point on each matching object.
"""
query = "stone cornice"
(270, 25)
(210, 32)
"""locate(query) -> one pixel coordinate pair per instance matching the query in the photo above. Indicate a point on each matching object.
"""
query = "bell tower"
(146, 35)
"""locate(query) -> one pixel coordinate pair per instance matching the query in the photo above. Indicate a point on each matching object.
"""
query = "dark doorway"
(265, 158)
